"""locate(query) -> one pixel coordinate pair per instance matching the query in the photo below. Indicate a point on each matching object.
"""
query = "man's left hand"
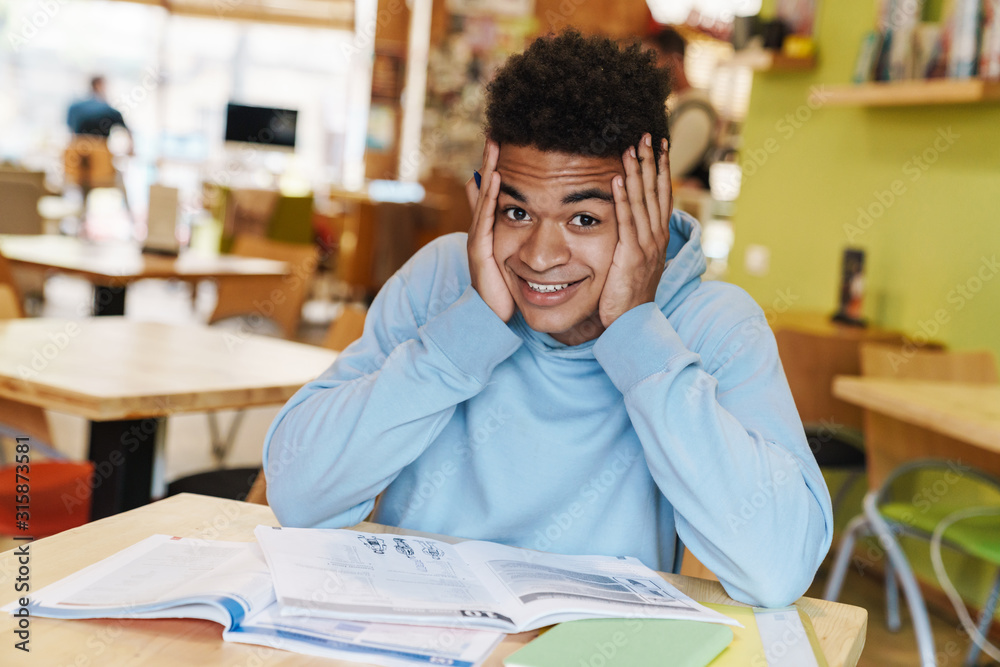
(643, 204)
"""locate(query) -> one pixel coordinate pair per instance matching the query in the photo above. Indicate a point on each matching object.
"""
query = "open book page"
(373, 576)
(551, 588)
(375, 643)
(411, 580)
(164, 577)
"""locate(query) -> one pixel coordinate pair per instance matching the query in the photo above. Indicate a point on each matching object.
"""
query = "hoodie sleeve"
(341, 439)
(723, 441)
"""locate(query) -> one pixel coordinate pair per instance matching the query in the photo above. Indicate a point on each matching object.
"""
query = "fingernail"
(631, 151)
(618, 181)
(648, 139)
(663, 144)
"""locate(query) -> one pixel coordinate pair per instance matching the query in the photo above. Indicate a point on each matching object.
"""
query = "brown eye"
(518, 214)
(584, 220)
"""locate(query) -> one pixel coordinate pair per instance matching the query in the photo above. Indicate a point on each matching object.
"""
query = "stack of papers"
(379, 598)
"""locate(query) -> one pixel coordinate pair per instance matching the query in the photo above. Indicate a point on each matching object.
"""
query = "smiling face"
(555, 236)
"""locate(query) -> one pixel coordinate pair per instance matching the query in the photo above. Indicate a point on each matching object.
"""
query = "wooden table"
(111, 266)
(839, 627)
(127, 376)
(910, 419)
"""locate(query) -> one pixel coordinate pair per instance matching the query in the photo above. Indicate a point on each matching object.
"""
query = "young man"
(560, 378)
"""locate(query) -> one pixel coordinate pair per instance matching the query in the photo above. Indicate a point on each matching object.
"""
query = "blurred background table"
(126, 377)
(111, 266)
(910, 419)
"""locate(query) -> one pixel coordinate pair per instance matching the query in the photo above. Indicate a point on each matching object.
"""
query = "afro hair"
(578, 95)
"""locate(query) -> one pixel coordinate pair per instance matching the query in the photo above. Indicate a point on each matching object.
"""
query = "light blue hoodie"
(676, 421)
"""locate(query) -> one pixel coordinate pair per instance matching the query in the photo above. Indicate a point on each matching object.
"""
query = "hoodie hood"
(681, 275)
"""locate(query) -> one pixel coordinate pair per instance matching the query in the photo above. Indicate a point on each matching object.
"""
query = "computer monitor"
(262, 126)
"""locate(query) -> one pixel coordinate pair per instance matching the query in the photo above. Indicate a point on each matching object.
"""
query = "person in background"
(93, 115)
(693, 119)
(561, 378)
(88, 161)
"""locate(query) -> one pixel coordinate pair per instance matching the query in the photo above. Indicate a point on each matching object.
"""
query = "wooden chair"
(893, 508)
(11, 306)
(256, 296)
(20, 202)
(23, 281)
(52, 479)
(377, 238)
(275, 298)
(347, 328)
(89, 163)
(17, 417)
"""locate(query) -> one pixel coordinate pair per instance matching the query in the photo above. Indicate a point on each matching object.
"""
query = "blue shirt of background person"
(93, 115)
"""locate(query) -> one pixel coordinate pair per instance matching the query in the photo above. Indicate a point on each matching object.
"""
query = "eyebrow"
(589, 193)
(571, 198)
(513, 192)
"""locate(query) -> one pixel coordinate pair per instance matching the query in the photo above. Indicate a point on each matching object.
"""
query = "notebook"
(625, 642)
(788, 634)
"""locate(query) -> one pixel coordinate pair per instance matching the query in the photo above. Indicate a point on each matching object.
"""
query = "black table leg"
(123, 453)
(109, 300)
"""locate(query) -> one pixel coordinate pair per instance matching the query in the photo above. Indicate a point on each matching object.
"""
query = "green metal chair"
(894, 509)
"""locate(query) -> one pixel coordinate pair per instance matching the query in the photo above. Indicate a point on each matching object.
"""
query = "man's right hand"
(486, 276)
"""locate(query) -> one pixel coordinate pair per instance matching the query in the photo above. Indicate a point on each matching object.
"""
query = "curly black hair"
(578, 95)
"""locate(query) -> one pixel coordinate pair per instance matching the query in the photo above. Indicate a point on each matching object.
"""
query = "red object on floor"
(54, 497)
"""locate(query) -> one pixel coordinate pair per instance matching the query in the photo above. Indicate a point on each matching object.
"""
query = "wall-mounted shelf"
(908, 93)
(769, 60)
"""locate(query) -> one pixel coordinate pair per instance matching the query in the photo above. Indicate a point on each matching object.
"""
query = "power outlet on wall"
(757, 260)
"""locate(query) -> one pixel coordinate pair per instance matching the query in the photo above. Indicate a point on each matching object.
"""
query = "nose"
(545, 248)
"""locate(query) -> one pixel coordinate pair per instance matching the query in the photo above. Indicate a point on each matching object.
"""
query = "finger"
(647, 167)
(487, 211)
(489, 165)
(665, 188)
(623, 211)
(472, 194)
(488, 217)
(634, 187)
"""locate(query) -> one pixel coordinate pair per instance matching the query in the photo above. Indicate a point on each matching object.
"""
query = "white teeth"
(546, 288)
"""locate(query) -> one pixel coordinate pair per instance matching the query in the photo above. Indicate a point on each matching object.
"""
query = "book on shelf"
(867, 60)
(229, 583)
(965, 29)
(404, 579)
(989, 56)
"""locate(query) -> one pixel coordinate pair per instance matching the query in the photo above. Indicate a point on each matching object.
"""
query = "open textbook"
(229, 583)
(415, 580)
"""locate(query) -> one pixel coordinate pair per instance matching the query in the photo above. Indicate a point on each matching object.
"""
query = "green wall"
(809, 170)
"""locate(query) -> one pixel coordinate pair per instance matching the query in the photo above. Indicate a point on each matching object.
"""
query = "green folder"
(625, 642)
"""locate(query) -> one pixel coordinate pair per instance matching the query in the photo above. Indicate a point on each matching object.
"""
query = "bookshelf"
(770, 60)
(909, 93)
